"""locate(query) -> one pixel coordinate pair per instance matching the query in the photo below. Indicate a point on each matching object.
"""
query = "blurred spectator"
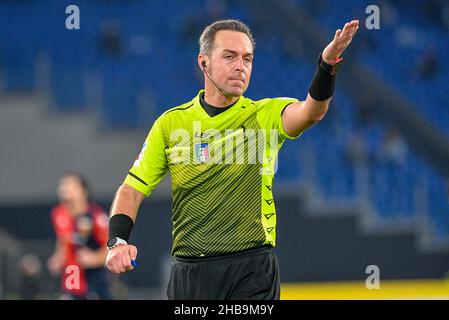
(10, 252)
(388, 13)
(437, 12)
(432, 8)
(365, 43)
(428, 63)
(315, 7)
(293, 46)
(111, 43)
(215, 9)
(81, 228)
(445, 15)
(195, 23)
(392, 165)
(139, 45)
(30, 266)
(393, 149)
(407, 37)
(447, 189)
(367, 108)
(355, 149)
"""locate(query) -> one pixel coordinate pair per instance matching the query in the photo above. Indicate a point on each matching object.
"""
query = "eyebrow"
(235, 52)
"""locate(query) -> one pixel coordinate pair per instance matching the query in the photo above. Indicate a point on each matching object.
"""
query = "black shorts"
(250, 274)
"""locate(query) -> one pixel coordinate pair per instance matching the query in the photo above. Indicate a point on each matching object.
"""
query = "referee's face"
(231, 61)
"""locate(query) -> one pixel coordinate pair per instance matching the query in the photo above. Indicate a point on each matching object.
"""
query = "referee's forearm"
(127, 201)
(314, 109)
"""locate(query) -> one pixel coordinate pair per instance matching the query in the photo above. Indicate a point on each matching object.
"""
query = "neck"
(215, 98)
(78, 208)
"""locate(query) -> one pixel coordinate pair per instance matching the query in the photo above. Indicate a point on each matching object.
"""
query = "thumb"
(132, 252)
(337, 34)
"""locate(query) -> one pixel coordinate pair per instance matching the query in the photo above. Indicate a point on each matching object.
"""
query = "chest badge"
(202, 152)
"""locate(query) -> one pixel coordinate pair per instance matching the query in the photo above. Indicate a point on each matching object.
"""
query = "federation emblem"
(202, 152)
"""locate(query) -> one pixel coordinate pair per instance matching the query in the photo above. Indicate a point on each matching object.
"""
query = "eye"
(228, 57)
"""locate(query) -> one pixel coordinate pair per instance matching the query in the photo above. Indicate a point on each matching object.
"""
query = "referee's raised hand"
(119, 258)
(341, 41)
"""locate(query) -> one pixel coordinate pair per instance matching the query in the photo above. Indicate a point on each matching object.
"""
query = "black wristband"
(120, 225)
(323, 83)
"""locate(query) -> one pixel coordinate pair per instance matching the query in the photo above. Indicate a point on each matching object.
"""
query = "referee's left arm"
(299, 116)
(146, 172)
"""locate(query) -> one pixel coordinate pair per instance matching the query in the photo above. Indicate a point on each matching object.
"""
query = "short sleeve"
(62, 224)
(151, 164)
(269, 114)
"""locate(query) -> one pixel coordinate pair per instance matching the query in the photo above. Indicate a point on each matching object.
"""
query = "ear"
(202, 61)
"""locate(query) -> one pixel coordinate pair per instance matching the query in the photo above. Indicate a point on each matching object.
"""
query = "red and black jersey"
(89, 230)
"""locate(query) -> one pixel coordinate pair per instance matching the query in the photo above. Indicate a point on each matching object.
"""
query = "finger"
(351, 24)
(341, 33)
(132, 256)
(346, 38)
(118, 264)
(354, 32)
(350, 35)
(346, 33)
(130, 268)
(121, 267)
(337, 34)
(115, 269)
(110, 260)
(126, 262)
(343, 40)
(133, 250)
(356, 26)
(345, 29)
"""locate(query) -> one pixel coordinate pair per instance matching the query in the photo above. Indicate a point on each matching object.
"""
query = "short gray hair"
(207, 38)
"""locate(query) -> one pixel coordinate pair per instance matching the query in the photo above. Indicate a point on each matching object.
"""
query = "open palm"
(341, 41)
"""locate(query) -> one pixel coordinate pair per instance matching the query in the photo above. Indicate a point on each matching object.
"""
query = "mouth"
(238, 79)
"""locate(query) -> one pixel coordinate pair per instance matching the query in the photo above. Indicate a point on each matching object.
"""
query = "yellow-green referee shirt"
(222, 171)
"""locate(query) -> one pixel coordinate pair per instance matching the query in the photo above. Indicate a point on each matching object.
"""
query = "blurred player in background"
(224, 219)
(81, 229)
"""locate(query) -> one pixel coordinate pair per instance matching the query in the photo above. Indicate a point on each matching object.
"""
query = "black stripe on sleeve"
(283, 109)
(137, 178)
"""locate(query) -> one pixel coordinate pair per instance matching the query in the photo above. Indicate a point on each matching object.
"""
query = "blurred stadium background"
(367, 186)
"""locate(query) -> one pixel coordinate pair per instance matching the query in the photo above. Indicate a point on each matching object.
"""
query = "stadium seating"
(157, 55)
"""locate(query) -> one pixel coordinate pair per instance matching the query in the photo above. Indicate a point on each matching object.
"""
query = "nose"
(239, 64)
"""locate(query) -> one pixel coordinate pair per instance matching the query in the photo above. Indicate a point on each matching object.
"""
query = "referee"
(220, 148)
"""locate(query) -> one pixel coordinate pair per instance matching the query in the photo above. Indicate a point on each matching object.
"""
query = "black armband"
(120, 225)
(323, 83)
